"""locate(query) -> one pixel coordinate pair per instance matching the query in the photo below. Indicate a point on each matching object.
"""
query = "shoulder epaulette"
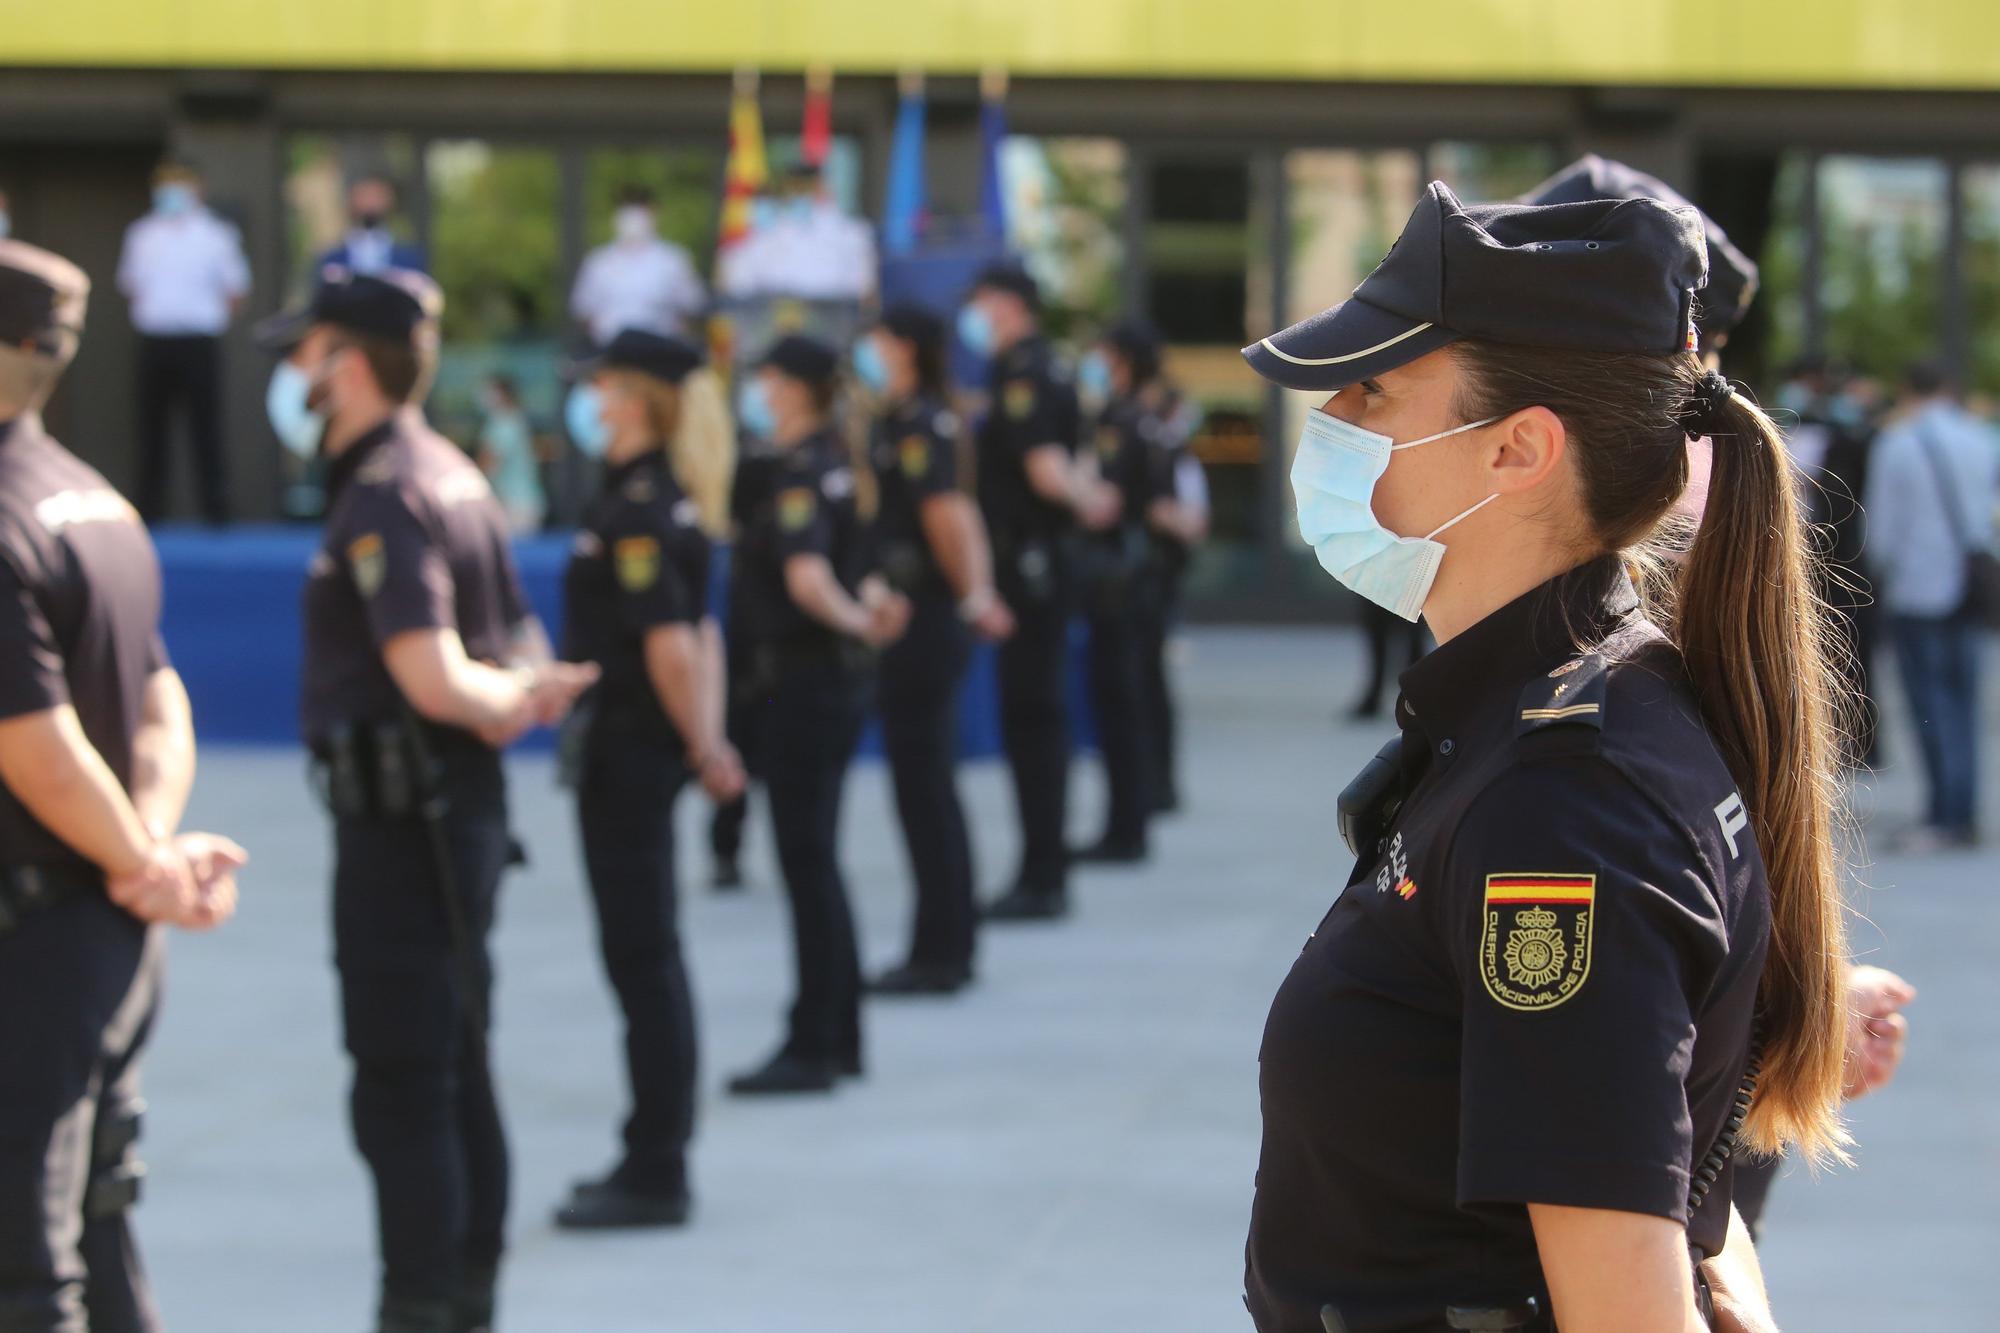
(1571, 695)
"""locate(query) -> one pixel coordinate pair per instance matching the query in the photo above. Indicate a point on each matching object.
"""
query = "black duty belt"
(27, 890)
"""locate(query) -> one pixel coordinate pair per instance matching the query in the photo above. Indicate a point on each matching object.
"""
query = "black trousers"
(79, 983)
(1118, 697)
(625, 811)
(743, 723)
(425, 1116)
(1034, 731)
(814, 724)
(181, 374)
(920, 678)
(1162, 725)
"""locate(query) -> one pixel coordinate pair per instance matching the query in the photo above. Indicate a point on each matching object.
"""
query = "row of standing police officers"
(424, 660)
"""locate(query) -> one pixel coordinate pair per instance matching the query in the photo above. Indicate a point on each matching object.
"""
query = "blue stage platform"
(232, 626)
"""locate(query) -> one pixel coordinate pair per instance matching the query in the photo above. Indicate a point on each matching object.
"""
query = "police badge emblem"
(1018, 398)
(916, 456)
(638, 562)
(1534, 952)
(369, 561)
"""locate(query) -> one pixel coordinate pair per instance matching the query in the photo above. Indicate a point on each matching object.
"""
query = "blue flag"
(992, 198)
(903, 214)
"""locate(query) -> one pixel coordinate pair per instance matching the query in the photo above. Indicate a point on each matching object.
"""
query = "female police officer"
(810, 613)
(932, 548)
(636, 591)
(1506, 1072)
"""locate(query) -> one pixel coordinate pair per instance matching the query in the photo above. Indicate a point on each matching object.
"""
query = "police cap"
(1139, 344)
(1010, 278)
(658, 355)
(42, 299)
(798, 357)
(913, 324)
(1602, 275)
(1732, 276)
(392, 304)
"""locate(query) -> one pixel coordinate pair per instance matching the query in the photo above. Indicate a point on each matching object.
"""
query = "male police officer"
(96, 757)
(413, 612)
(1034, 491)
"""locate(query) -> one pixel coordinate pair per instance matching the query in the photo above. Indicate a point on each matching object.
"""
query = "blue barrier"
(232, 628)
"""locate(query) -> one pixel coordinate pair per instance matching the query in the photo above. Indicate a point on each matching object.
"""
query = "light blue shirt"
(1913, 548)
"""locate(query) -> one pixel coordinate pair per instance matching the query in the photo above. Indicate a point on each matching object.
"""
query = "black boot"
(1110, 851)
(1023, 903)
(727, 876)
(627, 1199)
(400, 1315)
(922, 979)
(478, 1291)
(786, 1074)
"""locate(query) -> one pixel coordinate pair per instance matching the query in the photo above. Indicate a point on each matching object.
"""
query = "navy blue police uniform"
(750, 488)
(640, 564)
(814, 684)
(79, 977)
(414, 540)
(1120, 594)
(914, 451)
(1540, 983)
(1032, 406)
(1174, 451)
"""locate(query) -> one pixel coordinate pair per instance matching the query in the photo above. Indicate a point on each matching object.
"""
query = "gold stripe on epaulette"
(1552, 714)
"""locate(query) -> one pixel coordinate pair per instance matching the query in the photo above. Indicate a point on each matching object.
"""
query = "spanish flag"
(748, 170)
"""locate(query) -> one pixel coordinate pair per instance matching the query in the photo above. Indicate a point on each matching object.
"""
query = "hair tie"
(1702, 414)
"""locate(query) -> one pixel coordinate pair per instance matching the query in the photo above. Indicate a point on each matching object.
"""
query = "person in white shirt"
(183, 271)
(1932, 486)
(638, 280)
(803, 246)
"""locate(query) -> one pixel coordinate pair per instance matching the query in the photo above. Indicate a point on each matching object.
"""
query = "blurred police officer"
(932, 548)
(369, 245)
(637, 279)
(422, 660)
(1033, 492)
(96, 757)
(809, 614)
(636, 603)
(1179, 523)
(183, 270)
(1121, 585)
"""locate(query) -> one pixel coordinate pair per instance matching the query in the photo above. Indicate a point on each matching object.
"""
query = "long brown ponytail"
(1741, 606)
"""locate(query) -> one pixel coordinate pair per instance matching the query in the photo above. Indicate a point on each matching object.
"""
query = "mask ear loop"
(1451, 523)
(1445, 434)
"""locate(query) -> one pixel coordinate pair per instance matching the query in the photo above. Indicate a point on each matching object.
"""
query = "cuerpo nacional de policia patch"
(369, 561)
(1535, 952)
(638, 562)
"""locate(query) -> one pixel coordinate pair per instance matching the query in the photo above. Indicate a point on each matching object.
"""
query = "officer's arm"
(957, 536)
(1736, 1282)
(163, 754)
(1055, 476)
(444, 685)
(810, 583)
(51, 767)
(714, 677)
(1615, 1272)
(677, 667)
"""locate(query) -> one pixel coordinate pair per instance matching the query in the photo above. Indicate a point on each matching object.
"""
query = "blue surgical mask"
(297, 426)
(1333, 478)
(975, 330)
(753, 409)
(1093, 376)
(583, 418)
(6, 224)
(870, 367)
(173, 199)
(763, 212)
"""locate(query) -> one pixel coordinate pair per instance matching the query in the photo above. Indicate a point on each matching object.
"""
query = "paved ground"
(1067, 1148)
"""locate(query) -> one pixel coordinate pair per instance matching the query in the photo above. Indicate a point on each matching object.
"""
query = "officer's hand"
(504, 730)
(557, 686)
(1101, 507)
(161, 889)
(887, 619)
(722, 774)
(1876, 1028)
(214, 861)
(994, 622)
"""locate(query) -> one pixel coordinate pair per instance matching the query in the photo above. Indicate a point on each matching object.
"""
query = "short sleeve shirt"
(914, 451)
(1032, 405)
(640, 562)
(808, 508)
(1538, 986)
(79, 612)
(414, 540)
(1132, 454)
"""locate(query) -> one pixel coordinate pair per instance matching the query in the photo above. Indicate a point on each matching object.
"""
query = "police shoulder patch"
(369, 561)
(1107, 441)
(796, 507)
(915, 454)
(1535, 938)
(640, 489)
(376, 470)
(1572, 694)
(1018, 398)
(637, 560)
